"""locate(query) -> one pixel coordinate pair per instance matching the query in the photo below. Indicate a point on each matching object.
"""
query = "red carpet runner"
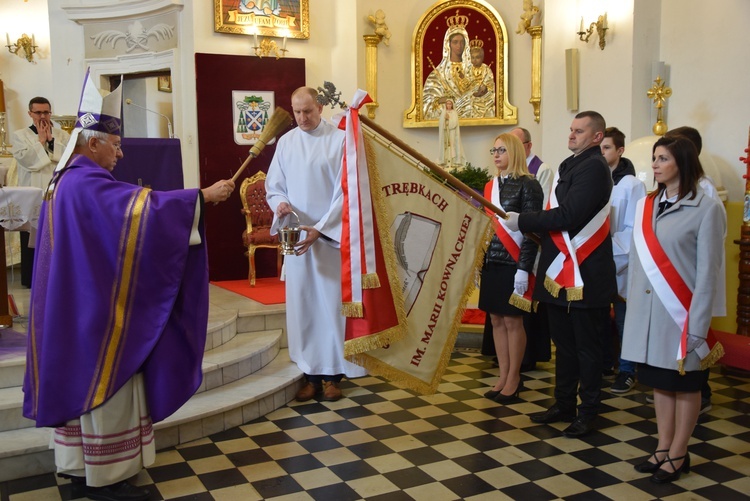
(266, 290)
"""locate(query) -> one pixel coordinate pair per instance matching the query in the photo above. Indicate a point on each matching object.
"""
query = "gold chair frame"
(251, 248)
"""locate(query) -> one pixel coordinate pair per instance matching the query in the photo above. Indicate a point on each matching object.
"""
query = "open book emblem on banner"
(414, 237)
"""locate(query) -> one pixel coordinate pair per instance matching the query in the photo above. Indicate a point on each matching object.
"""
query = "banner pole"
(440, 172)
(432, 166)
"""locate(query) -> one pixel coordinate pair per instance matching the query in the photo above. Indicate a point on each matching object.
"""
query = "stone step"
(240, 356)
(26, 452)
(247, 374)
(232, 404)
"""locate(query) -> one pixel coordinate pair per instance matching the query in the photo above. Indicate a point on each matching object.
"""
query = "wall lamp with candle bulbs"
(26, 44)
(264, 47)
(601, 29)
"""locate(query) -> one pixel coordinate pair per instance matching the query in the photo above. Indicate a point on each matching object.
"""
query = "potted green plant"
(474, 177)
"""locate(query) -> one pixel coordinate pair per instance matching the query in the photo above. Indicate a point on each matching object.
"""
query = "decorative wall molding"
(136, 37)
(132, 63)
(90, 11)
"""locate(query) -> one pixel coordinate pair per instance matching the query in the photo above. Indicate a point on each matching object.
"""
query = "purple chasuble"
(117, 290)
(534, 165)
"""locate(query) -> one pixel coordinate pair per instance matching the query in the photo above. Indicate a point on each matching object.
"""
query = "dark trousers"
(317, 379)
(27, 260)
(578, 334)
(538, 347)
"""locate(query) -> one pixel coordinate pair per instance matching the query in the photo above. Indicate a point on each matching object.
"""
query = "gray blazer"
(691, 232)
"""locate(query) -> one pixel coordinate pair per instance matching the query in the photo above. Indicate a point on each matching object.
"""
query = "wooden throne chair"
(258, 219)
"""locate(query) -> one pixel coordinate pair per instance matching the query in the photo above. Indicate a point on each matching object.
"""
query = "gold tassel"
(681, 366)
(713, 356)
(574, 293)
(399, 378)
(552, 286)
(520, 302)
(535, 305)
(381, 339)
(370, 281)
(352, 310)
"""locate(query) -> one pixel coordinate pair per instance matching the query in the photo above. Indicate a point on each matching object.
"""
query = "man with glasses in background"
(37, 150)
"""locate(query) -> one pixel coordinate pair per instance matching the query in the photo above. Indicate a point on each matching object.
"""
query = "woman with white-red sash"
(675, 261)
(507, 278)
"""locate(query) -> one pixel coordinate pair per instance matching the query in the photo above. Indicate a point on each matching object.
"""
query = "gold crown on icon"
(476, 43)
(457, 21)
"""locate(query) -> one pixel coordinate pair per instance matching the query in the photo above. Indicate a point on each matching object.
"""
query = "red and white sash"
(564, 271)
(511, 240)
(358, 270)
(665, 280)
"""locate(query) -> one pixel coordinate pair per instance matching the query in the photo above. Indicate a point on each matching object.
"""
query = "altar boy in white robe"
(305, 177)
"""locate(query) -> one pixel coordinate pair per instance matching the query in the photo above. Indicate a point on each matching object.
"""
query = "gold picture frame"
(271, 18)
(164, 83)
(479, 91)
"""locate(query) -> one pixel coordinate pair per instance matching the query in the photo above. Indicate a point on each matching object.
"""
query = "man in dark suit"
(579, 273)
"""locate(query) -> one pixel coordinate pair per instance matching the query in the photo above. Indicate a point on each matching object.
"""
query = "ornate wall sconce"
(601, 30)
(28, 45)
(266, 47)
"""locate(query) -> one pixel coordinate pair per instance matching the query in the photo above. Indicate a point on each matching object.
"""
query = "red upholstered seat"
(258, 219)
(259, 236)
(736, 350)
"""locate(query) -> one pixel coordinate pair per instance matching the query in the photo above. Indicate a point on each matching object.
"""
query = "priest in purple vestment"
(119, 308)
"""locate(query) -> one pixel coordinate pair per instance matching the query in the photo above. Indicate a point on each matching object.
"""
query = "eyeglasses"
(41, 113)
(501, 150)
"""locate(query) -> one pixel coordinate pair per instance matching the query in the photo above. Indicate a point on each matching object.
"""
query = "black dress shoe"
(552, 415)
(121, 491)
(664, 477)
(74, 479)
(649, 467)
(581, 426)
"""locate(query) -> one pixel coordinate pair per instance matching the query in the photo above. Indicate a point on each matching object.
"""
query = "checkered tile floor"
(385, 443)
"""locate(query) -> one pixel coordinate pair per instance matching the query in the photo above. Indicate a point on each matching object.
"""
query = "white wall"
(613, 81)
(23, 80)
(704, 47)
(710, 66)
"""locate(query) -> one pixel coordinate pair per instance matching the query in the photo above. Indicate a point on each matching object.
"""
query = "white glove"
(521, 282)
(512, 221)
(693, 342)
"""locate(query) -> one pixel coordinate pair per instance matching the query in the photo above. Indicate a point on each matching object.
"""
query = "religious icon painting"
(460, 54)
(274, 18)
(251, 109)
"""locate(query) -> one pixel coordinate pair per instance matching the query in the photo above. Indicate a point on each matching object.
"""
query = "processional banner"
(438, 240)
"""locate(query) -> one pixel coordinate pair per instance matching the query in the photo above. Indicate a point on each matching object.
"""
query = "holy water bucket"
(289, 235)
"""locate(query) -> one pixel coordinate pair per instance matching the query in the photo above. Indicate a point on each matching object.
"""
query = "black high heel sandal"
(491, 394)
(649, 467)
(506, 399)
(665, 477)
